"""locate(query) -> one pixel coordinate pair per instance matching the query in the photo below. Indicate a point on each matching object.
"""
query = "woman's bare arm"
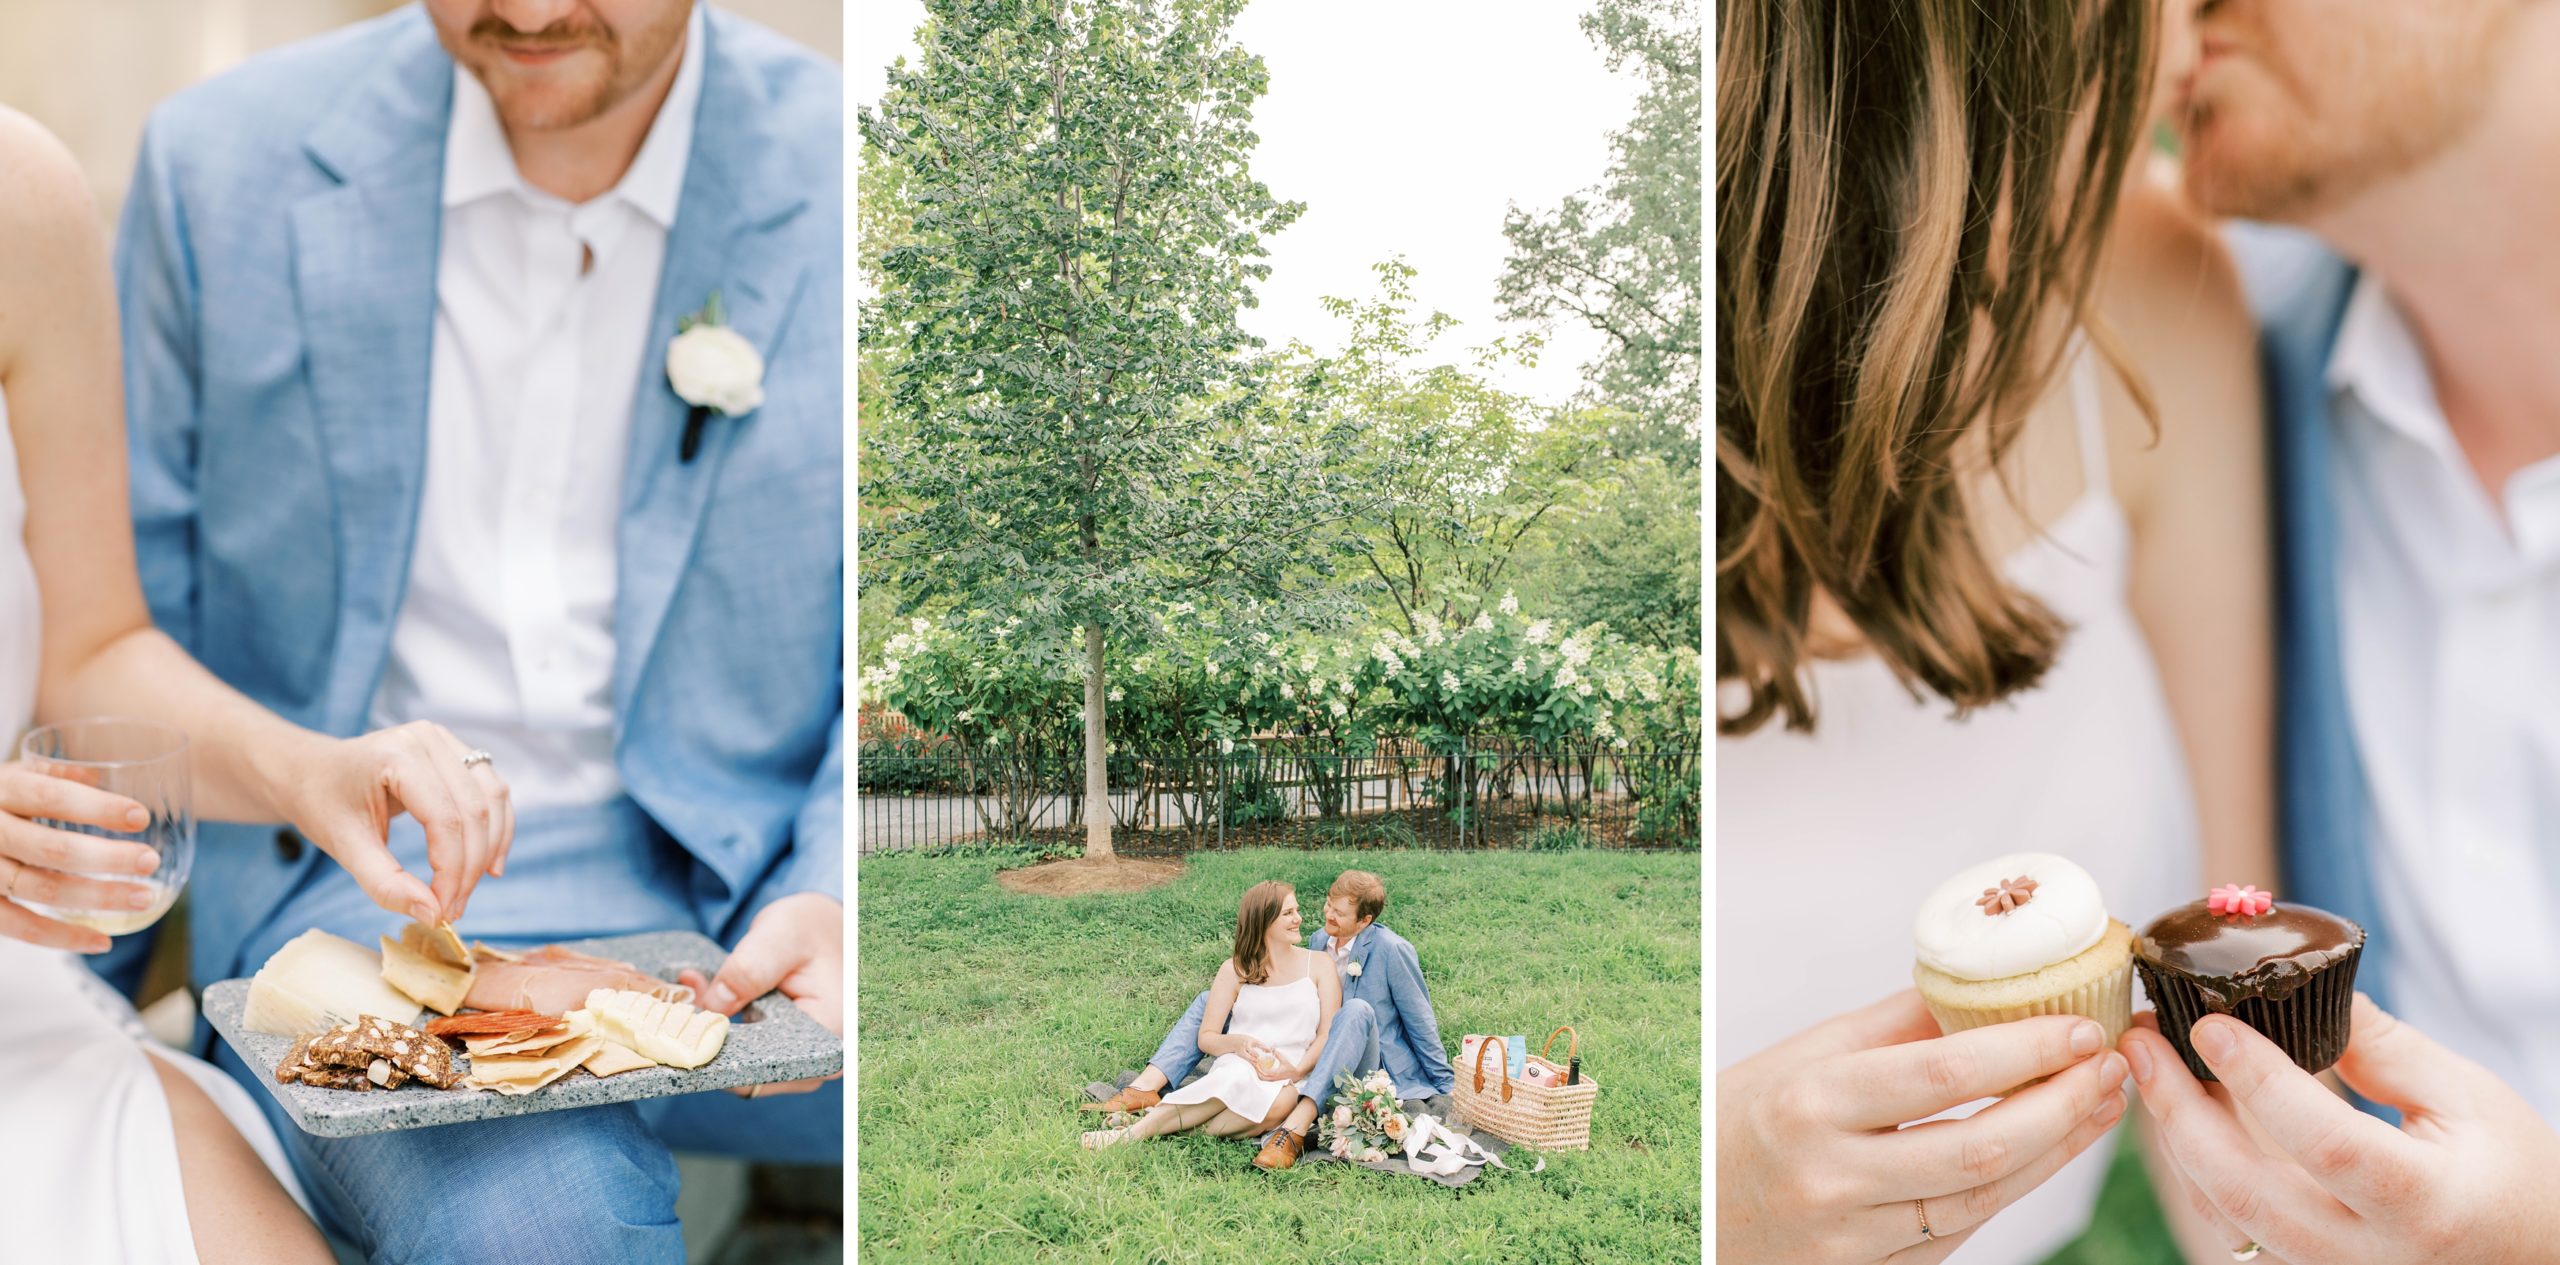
(2202, 584)
(59, 367)
(1214, 1038)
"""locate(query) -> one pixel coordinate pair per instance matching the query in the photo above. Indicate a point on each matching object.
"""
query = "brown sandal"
(1125, 1100)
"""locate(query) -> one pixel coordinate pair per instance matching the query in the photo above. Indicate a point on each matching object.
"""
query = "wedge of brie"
(319, 981)
(429, 964)
(668, 1032)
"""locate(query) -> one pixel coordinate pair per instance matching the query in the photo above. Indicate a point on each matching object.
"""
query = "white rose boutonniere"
(713, 368)
(1351, 969)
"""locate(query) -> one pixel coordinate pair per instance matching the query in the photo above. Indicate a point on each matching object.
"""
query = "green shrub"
(1557, 839)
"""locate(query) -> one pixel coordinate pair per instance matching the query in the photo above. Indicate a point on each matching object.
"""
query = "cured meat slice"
(554, 981)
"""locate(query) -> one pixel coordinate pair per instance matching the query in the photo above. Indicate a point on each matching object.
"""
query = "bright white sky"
(1405, 126)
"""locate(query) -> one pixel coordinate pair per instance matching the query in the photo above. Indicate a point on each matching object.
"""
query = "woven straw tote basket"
(1539, 1117)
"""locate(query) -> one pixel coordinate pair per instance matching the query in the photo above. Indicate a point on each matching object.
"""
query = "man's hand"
(2467, 1176)
(342, 796)
(796, 945)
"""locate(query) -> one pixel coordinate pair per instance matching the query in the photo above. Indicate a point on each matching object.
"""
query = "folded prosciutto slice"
(555, 981)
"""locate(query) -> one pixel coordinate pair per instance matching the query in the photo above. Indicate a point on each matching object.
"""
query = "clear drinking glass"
(145, 762)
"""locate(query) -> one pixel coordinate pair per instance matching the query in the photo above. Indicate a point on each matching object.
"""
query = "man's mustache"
(555, 37)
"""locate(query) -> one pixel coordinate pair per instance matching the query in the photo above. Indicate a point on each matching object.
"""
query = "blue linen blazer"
(2299, 290)
(1390, 980)
(276, 267)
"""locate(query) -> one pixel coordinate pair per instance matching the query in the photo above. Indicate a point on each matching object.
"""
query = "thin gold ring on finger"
(478, 757)
(2247, 1251)
(1921, 1206)
(9, 890)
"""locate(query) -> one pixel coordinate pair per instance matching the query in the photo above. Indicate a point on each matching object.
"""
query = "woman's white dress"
(1825, 843)
(1282, 1016)
(88, 1158)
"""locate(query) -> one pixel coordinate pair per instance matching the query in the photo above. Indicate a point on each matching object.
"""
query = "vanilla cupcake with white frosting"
(2024, 934)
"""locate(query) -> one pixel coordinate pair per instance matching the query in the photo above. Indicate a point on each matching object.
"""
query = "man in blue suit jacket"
(2416, 471)
(319, 263)
(1385, 1021)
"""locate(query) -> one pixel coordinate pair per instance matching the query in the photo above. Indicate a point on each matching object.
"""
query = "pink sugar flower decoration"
(2240, 899)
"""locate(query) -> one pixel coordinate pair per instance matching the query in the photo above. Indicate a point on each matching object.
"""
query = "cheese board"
(768, 1041)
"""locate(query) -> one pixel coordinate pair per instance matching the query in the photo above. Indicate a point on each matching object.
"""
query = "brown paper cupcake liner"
(2310, 1025)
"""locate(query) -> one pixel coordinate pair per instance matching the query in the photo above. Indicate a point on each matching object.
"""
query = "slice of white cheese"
(669, 1032)
(319, 981)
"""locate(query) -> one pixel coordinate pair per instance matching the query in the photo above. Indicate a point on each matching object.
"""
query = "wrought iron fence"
(916, 795)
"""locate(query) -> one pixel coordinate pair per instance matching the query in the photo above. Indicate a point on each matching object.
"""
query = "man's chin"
(540, 101)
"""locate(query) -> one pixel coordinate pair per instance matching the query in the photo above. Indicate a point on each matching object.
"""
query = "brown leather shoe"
(1281, 1151)
(1125, 1100)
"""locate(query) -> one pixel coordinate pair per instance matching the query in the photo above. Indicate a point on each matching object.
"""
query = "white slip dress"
(88, 1156)
(1282, 1016)
(1826, 842)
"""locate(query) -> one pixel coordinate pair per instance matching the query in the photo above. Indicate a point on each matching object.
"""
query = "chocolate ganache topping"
(2235, 956)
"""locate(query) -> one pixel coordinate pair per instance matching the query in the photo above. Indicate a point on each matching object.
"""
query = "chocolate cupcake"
(2288, 971)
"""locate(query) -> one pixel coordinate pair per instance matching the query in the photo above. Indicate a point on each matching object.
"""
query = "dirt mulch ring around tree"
(1084, 876)
(1610, 825)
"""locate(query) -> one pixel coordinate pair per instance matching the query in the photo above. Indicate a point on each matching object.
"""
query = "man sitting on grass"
(1385, 1022)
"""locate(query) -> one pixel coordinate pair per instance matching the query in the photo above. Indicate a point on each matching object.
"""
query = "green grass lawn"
(983, 1012)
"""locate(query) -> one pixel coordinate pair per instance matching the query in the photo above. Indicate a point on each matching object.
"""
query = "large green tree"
(1626, 256)
(1079, 431)
(1465, 478)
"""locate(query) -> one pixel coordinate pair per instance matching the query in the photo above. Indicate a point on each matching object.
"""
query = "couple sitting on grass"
(1284, 1022)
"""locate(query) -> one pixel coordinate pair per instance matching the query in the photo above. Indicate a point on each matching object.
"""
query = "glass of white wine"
(145, 762)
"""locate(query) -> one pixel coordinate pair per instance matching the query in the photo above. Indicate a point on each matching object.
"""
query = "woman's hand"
(1812, 1166)
(342, 795)
(2468, 1176)
(45, 864)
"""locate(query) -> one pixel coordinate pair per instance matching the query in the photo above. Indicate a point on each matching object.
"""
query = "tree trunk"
(1097, 772)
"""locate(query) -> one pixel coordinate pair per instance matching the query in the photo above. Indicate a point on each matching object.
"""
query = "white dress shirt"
(1340, 950)
(506, 635)
(2450, 626)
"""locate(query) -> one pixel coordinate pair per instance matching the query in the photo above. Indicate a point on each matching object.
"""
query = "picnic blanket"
(1438, 1106)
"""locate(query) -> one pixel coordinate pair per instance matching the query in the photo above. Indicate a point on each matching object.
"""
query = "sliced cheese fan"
(670, 1032)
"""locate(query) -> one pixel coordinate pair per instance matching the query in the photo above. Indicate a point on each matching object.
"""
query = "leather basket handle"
(1572, 1044)
(1501, 1064)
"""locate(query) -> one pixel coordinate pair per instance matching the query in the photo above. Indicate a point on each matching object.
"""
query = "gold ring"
(9, 890)
(2247, 1251)
(1921, 1206)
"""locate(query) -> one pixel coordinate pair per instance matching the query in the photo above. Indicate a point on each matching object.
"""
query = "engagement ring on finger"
(9, 890)
(2246, 1252)
(1921, 1206)
(478, 757)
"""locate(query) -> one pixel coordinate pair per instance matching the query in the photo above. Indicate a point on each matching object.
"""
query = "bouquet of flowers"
(1364, 1123)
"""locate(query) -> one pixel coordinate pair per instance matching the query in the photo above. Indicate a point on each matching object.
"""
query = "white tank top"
(1826, 842)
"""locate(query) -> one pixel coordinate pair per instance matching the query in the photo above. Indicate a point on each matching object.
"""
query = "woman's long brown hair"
(1254, 915)
(1911, 199)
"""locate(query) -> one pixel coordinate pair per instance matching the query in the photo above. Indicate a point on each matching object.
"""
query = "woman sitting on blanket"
(1269, 1011)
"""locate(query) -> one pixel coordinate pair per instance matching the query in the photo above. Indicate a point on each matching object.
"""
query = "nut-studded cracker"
(327, 1077)
(355, 1046)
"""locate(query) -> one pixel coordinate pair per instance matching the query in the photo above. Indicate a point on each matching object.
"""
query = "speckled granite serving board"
(770, 1040)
